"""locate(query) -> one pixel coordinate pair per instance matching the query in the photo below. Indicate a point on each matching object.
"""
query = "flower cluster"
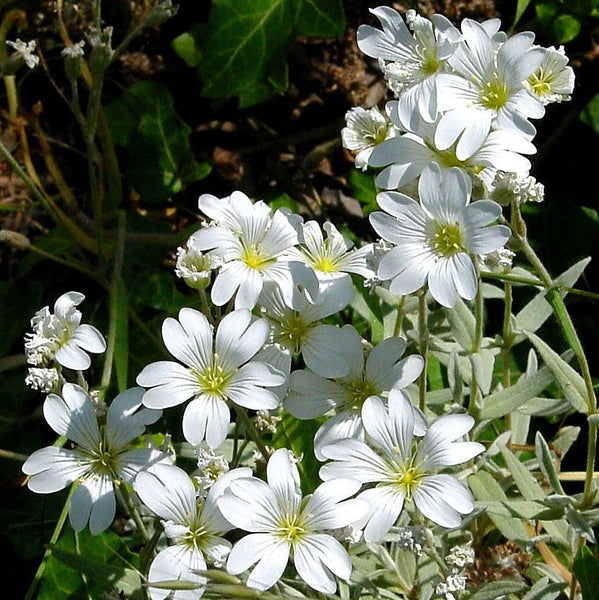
(459, 128)
(276, 337)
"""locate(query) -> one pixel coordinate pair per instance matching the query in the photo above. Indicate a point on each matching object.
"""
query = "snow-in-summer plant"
(348, 419)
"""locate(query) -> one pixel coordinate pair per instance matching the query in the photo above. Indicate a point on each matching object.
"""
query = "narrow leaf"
(569, 381)
(531, 490)
(546, 463)
(486, 489)
(495, 589)
(511, 398)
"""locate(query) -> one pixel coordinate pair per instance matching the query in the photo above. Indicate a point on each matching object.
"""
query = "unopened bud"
(14, 239)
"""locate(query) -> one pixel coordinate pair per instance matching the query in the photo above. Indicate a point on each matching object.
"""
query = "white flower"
(402, 468)
(60, 337)
(411, 62)
(553, 81)
(507, 187)
(103, 455)
(284, 525)
(74, 50)
(311, 395)
(194, 526)
(44, 380)
(251, 246)
(210, 467)
(499, 260)
(453, 583)
(434, 240)
(409, 154)
(487, 89)
(334, 256)
(460, 556)
(297, 328)
(192, 266)
(26, 51)
(213, 374)
(365, 129)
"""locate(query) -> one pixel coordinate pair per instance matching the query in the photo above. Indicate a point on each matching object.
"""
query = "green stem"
(477, 341)
(252, 432)
(13, 455)
(148, 551)
(423, 332)
(125, 497)
(113, 299)
(399, 316)
(55, 535)
(571, 335)
(506, 345)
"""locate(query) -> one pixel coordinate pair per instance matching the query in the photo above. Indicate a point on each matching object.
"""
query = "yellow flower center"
(325, 263)
(360, 390)
(293, 331)
(213, 380)
(539, 83)
(255, 259)
(407, 479)
(447, 240)
(291, 528)
(494, 93)
(378, 136)
(430, 65)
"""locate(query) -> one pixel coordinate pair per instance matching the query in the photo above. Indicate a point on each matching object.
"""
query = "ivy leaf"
(104, 560)
(244, 52)
(586, 569)
(159, 161)
(321, 18)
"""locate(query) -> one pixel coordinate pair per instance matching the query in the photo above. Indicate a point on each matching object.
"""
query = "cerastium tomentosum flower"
(218, 369)
(403, 468)
(103, 456)
(284, 525)
(434, 239)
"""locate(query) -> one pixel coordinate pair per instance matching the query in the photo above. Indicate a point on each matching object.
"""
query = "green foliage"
(298, 436)
(158, 161)
(364, 189)
(83, 566)
(586, 568)
(244, 51)
(17, 305)
(563, 20)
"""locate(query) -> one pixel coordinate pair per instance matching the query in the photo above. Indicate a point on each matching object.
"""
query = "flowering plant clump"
(339, 417)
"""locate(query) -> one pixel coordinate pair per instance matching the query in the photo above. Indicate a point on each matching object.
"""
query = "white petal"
(385, 505)
(272, 554)
(189, 339)
(227, 282)
(125, 421)
(236, 340)
(73, 357)
(168, 492)
(322, 350)
(51, 469)
(345, 425)
(283, 477)
(89, 338)
(311, 395)
(73, 416)
(353, 459)
(441, 285)
(177, 563)
(206, 417)
(441, 498)
(309, 566)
